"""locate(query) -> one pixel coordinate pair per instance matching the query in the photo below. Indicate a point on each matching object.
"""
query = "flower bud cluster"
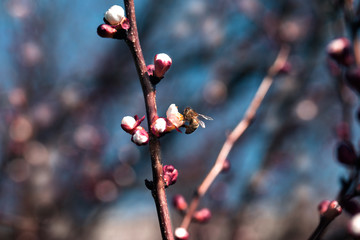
(116, 24)
(132, 126)
(173, 120)
(156, 71)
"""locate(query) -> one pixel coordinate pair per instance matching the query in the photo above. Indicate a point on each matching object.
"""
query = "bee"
(192, 118)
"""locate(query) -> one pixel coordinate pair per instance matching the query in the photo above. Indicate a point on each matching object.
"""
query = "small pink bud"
(346, 153)
(352, 77)
(323, 206)
(150, 69)
(162, 63)
(181, 234)
(106, 31)
(129, 124)
(179, 202)
(170, 175)
(159, 127)
(202, 215)
(334, 209)
(125, 23)
(140, 136)
(340, 50)
(226, 166)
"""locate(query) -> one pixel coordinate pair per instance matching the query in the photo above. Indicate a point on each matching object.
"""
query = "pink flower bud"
(162, 63)
(159, 127)
(140, 136)
(150, 69)
(202, 215)
(346, 153)
(179, 202)
(354, 225)
(340, 50)
(129, 124)
(323, 206)
(226, 166)
(170, 175)
(334, 209)
(352, 77)
(106, 31)
(181, 234)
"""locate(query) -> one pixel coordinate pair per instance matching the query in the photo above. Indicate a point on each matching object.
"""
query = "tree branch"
(158, 189)
(236, 133)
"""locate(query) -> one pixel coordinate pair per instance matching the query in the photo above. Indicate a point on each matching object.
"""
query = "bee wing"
(205, 117)
(201, 123)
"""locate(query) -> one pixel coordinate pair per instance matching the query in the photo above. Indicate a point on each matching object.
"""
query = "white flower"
(181, 233)
(354, 225)
(160, 125)
(115, 14)
(174, 116)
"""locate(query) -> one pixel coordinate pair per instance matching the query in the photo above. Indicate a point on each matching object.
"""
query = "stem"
(320, 229)
(158, 189)
(236, 133)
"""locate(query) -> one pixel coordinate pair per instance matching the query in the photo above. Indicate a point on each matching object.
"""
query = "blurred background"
(68, 170)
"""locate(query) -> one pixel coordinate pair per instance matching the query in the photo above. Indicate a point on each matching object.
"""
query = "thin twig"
(158, 189)
(236, 133)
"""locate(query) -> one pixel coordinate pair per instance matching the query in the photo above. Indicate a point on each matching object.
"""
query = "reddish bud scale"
(106, 31)
(334, 209)
(323, 206)
(202, 215)
(180, 203)
(170, 175)
(346, 153)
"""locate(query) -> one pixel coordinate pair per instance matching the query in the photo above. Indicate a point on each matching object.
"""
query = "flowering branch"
(236, 133)
(158, 187)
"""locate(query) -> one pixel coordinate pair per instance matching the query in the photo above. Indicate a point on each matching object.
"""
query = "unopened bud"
(170, 175)
(340, 50)
(159, 126)
(106, 31)
(202, 215)
(351, 206)
(179, 202)
(114, 15)
(129, 124)
(323, 206)
(352, 77)
(181, 234)
(226, 166)
(346, 153)
(334, 209)
(150, 69)
(140, 136)
(162, 63)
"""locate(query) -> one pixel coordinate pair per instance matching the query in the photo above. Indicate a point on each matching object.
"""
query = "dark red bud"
(150, 69)
(346, 153)
(179, 202)
(170, 175)
(202, 215)
(106, 31)
(334, 209)
(351, 206)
